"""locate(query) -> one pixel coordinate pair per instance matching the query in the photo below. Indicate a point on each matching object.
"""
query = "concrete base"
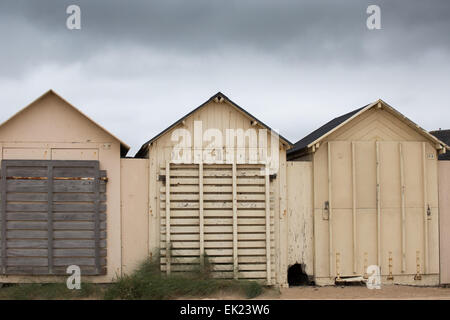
(403, 279)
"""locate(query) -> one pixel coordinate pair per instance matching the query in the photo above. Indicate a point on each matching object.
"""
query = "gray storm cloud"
(137, 66)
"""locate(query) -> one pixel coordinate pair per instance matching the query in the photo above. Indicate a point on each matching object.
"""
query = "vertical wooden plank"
(425, 206)
(235, 226)
(402, 191)
(444, 220)
(378, 205)
(168, 253)
(97, 216)
(284, 220)
(3, 215)
(267, 198)
(200, 192)
(354, 208)
(50, 216)
(330, 214)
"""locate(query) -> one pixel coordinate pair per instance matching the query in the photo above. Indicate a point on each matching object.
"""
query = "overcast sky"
(135, 67)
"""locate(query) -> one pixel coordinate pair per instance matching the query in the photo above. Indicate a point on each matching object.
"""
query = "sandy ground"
(361, 292)
(388, 292)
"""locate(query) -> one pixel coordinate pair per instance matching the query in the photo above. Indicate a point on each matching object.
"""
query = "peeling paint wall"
(301, 224)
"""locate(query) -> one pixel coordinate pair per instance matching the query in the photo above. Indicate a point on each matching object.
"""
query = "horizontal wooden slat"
(214, 172)
(26, 234)
(215, 252)
(72, 197)
(36, 225)
(26, 207)
(27, 225)
(42, 244)
(214, 197)
(74, 172)
(214, 221)
(77, 252)
(33, 261)
(215, 244)
(27, 252)
(252, 275)
(215, 229)
(57, 207)
(26, 171)
(30, 270)
(58, 186)
(77, 261)
(216, 181)
(218, 267)
(77, 225)
(31, 244)
(211, 166)
(217, 237)
(77, 207)
(32, 234)
(214, 189)
(217, 213)
(214, 205)
(218, 259)
(54, 163)
(23, 171)
(41, 216)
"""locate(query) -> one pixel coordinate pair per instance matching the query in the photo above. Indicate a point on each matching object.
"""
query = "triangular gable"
(310, 141)
(218, 97)
(123, 146)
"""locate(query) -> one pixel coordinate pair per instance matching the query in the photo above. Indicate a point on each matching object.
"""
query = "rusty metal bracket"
(390, 276)
(417, 276)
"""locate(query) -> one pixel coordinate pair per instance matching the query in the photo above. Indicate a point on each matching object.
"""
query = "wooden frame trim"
(378, 196)
(168, 257)
(97, 217)
(235, 224)
(402, 192)
(3, 216)
(50, 218)
(330, 213)
(202, 223)
(354, 217)
(267, 198)
(425, 206)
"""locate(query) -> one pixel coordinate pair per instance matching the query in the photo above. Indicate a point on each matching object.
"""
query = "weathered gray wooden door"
(53, 215)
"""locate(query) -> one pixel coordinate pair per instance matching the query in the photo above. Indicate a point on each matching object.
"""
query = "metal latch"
(326, 211)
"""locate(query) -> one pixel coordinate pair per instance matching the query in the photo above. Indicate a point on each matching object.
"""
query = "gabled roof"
(217, 97)
(316, 134)
(123, 146)
(443, 135)
(303, 146)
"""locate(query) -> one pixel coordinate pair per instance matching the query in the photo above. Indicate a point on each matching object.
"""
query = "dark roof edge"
(301, 146)
(144, 147)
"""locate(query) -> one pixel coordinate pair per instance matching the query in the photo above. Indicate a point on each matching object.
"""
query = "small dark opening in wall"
(297, 275)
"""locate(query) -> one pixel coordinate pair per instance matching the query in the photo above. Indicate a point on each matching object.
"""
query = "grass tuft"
(146, 283)
(49, 291)
(149, 283)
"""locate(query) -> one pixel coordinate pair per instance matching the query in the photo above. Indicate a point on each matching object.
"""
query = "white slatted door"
(217, 215)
